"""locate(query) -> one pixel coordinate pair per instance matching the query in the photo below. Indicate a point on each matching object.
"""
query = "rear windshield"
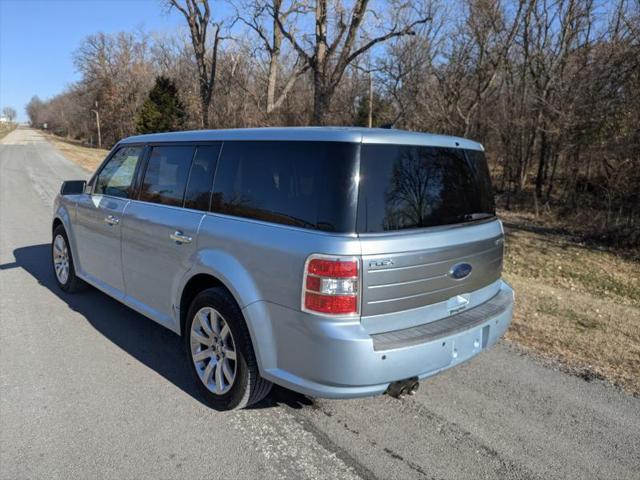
(405, 187)
(303, 184)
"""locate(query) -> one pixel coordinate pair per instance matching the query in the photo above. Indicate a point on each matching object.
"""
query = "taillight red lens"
(330, 286)
(313, 283)
(331, 304)
(332, 268)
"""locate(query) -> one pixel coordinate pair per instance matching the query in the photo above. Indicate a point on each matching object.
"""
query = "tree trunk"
(204, 106)
(274, 57)
(541, 163)
(321, 103)
(321, 91)
(197, 15)
(271, 83)
(552, 177)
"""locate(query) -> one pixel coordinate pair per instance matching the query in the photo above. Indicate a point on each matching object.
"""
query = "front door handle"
(180, 237)
(111, 220)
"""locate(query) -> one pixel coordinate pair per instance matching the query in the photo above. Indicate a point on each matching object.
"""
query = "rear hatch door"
(431, 243)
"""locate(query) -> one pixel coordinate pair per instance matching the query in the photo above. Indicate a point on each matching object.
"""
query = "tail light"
(330, 285)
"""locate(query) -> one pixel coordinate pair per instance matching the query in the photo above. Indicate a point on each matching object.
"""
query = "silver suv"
(337, 262)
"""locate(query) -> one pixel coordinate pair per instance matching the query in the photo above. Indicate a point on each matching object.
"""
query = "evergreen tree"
(162, 111)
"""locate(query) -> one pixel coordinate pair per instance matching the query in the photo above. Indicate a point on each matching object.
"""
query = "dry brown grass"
(87, 157)
(6, 128)
(576, 304)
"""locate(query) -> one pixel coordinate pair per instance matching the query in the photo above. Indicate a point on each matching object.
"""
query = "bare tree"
(116, 74)
(264, 17)
(406, 73)
(34, 110)
(10, 113)
(198, 16)
(329, 58)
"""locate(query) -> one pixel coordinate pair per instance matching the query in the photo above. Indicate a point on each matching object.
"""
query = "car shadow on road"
(150, 343)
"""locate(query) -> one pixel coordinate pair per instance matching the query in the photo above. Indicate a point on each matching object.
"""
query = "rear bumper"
(341, 360)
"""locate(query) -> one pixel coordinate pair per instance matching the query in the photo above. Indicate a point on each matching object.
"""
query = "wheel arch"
(56, 223)
(259, 326)
(63, 215)
(196, 284)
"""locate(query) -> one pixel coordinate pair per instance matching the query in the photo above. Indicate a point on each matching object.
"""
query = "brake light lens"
(330, 286)
(333, 268)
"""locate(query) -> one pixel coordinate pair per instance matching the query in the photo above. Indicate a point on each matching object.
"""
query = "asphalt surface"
(90, 389)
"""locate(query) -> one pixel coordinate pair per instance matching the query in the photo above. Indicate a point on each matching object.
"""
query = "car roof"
(315, 134)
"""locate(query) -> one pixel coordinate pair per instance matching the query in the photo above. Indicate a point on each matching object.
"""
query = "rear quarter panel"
(262, 266)
(258, 261)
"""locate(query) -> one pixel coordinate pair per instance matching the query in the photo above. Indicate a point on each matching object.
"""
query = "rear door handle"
(180, 237)
(111, 220)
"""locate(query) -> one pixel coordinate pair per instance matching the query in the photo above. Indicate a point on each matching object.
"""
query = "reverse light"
(330, 285)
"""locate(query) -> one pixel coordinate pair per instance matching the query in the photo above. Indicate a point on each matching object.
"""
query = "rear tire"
(220, 353)
(62, 262)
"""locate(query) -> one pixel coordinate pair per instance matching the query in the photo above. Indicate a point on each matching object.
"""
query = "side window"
(201, 177)
(166, 176)
(303, 184)
(116, 177)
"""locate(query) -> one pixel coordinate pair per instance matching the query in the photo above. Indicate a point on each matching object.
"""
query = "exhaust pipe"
(408, 386)
(414, 388)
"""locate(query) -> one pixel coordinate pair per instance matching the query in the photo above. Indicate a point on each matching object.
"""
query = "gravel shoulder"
(90, 389)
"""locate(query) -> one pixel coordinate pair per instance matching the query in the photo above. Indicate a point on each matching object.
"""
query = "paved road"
(90, 389)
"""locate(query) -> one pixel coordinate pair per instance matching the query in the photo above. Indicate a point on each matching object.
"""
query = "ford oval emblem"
(460, 271)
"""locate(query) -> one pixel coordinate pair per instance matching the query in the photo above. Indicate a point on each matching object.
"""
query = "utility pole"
(98, 125)
(369, 71)
(370, 99)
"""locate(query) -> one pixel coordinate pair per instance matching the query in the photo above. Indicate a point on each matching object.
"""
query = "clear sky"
(38, 37)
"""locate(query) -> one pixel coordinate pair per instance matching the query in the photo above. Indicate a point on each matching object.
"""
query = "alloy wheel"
(61, 259)
(213, 350)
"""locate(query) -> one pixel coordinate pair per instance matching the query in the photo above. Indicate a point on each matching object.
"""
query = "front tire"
(62, 262)
(220, 352)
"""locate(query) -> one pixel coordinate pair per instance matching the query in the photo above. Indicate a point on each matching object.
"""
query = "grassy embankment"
(6, 128)
(87, 157)
(576, 304)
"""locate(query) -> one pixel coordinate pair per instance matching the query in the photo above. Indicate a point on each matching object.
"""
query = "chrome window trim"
(282, 225)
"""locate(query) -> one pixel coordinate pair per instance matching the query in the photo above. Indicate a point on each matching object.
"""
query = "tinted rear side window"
(166, 175)
(304, 184)
(403, 187)
(200, 183)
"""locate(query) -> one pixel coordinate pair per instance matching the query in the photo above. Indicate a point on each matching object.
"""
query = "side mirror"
(73, 187)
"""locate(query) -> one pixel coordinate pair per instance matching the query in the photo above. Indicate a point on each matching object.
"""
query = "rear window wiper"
(469, 217)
